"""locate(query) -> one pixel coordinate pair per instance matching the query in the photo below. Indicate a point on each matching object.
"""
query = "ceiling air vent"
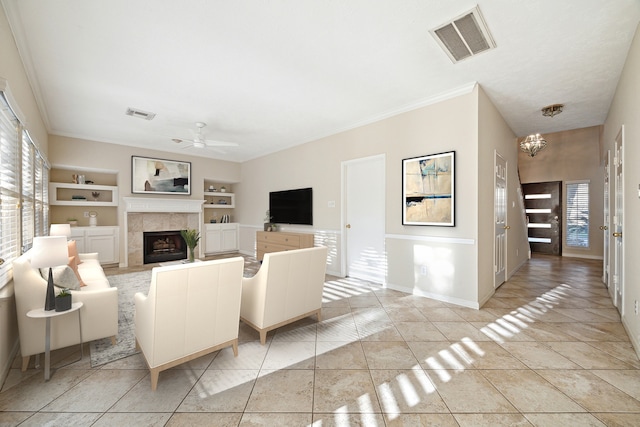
(140, 114)
(465, 36)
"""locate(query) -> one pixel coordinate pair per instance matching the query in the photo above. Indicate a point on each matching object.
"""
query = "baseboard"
(634, 339)
(573, 255)
(5, 369)
(437, 297)
(515, 270)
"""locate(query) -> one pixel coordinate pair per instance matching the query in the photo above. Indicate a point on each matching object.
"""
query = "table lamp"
(60, 230)
(49, 252)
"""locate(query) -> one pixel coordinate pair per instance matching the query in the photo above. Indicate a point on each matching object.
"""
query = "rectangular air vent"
(140, 114)
(465, 36)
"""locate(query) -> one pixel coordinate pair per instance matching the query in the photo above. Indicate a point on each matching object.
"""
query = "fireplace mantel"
(189, 210)
(144, 204)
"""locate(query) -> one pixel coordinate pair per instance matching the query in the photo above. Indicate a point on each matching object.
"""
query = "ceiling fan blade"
(211, 143)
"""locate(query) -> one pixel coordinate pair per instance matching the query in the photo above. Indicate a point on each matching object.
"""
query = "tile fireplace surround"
(153, 214)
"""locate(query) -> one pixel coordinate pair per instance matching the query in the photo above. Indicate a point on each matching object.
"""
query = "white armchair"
(191, 310)
(288, 287)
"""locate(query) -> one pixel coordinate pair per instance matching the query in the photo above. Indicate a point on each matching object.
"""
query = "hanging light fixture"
(552, 110)
(532, 144)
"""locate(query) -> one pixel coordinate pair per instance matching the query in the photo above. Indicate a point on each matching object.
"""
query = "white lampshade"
(49, 251)
(60, 230)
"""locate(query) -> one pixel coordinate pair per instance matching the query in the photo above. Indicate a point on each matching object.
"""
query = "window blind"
(578, 214)
(9, 187)
(27, 207)
(24, 193)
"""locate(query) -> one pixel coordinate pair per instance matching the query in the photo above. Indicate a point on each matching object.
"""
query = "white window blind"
(578, 214)
(27, 210)
(24, 193)
(9, 190)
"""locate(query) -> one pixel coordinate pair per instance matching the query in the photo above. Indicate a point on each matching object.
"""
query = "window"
(24, 199)
(578, 214)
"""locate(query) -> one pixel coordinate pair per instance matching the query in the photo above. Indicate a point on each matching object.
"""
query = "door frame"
(500, 245)
(606, 225)
(618, 223)
(344, 243)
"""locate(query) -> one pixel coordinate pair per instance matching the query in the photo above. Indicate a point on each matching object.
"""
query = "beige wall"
(625, 110)
(12, 71)
(440, 262)
(494, 135)
(572, 155)
(75, 154)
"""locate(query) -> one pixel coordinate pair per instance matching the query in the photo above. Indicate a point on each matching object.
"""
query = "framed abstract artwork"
(428, 190)
(160, 176)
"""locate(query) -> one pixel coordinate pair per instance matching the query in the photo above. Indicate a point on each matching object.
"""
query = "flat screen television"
(291, 206)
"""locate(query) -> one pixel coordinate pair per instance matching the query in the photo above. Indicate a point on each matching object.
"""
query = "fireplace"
(162, 246)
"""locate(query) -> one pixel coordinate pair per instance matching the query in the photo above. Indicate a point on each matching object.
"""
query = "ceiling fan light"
(198, 144)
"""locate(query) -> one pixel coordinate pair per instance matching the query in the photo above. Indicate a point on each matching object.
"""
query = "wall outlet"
(86, 214)
(423, 270)
(635, 307)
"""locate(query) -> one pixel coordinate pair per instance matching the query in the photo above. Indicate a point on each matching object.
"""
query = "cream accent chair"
(191, 310)
(288, 287)
(98, 315)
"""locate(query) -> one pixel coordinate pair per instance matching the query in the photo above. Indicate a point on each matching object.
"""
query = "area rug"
(102, 351)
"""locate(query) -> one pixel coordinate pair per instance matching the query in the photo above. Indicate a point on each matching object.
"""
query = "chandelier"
(552, 110)
(532, 144)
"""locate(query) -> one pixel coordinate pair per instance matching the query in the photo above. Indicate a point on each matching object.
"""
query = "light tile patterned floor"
(547, 350)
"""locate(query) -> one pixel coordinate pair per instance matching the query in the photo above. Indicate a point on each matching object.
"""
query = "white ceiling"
(272, 74)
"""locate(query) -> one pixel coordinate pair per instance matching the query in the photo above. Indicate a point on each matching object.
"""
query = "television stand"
(278, 241)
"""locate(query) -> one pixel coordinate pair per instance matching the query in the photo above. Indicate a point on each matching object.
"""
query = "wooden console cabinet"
(278, 241)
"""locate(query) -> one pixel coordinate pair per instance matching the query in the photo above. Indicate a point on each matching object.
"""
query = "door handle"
(617, 234)
(507, 227)
(604, 227)
(348, 226)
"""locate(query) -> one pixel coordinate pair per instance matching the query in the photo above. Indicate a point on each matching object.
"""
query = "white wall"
(625, 110)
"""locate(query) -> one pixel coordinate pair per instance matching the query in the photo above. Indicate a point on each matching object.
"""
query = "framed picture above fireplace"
(160, 176)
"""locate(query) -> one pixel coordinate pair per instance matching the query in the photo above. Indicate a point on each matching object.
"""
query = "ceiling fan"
(199, 141)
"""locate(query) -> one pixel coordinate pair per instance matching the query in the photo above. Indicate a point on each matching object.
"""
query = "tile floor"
(547, 350)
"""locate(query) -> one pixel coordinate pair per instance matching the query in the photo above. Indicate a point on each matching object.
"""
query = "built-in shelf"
(213, 198)
(61, 194)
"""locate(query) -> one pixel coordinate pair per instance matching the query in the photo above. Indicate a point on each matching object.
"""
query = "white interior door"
(500, 215)
(618, 252)
(605, 226)
(364, 218)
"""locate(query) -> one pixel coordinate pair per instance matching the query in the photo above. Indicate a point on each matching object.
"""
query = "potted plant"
(63, 300)
(72, 221)
(191, 238)
(267, 221)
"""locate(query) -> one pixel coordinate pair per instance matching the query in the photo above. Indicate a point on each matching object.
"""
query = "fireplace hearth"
(163, 246)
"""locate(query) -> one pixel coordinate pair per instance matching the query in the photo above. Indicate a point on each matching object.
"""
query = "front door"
(364, 219)
(500, 217)
(543, 207)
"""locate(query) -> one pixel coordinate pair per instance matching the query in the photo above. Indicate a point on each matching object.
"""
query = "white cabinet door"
(105, 246)
(230, 238)
(213, 239)
(221, 238)
(103, 240)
